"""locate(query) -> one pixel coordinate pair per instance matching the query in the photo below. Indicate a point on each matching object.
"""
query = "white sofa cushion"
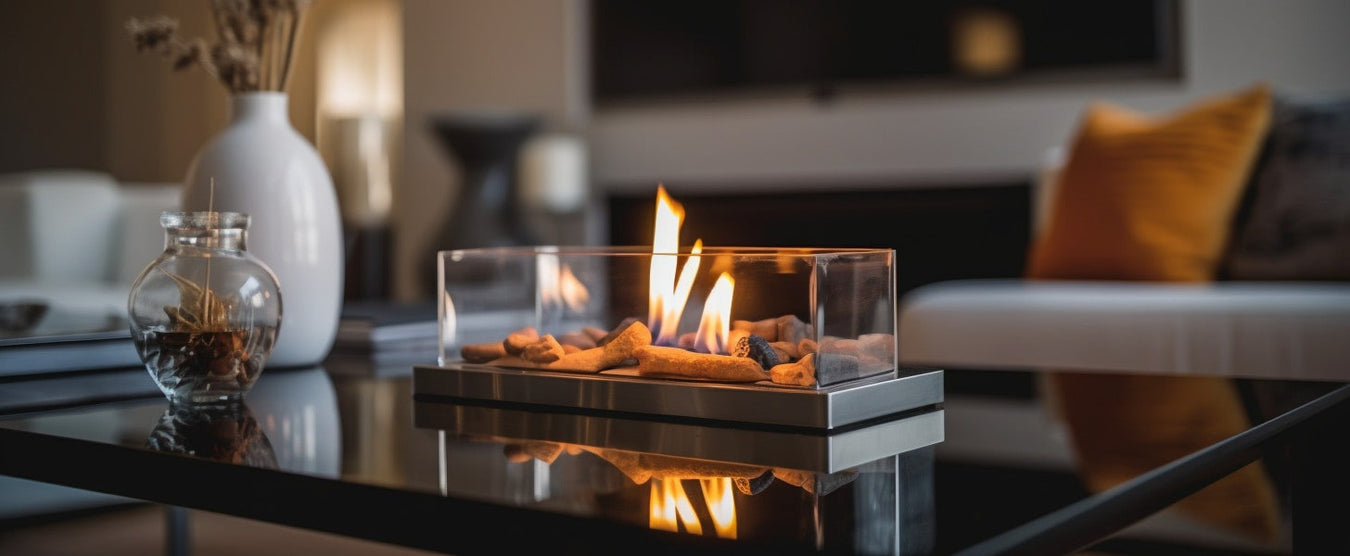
(76, 239)
(1277, 330)
(58, 225)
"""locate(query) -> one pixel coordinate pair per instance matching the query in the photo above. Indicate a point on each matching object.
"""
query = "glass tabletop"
(356, 454)
(347, 448)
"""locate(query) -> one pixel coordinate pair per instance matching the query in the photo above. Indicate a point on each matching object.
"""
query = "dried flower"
(240, 20)
(199, 308)
(235, 66)
(194, 52)
(153, 32)
(256, 42)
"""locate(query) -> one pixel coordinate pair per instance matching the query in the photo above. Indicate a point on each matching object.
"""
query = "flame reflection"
(721, 504)
(573, 292)
(671, 507)
(558, 285)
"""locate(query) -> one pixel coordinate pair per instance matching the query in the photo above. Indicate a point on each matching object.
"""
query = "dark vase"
(487, 211)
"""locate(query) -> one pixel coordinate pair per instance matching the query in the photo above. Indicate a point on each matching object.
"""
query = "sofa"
(1211, 243)
(76, 240)
(72, 241)
(1278, 308)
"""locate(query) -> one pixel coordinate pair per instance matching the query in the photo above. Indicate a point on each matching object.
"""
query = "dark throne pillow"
(1296, 225)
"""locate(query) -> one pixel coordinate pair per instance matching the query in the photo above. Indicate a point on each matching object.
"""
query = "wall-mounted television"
(662, 49)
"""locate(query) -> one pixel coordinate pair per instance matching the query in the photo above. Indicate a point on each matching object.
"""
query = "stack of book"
(384, 337)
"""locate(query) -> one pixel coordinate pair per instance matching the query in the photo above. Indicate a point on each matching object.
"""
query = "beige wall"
(51, 108)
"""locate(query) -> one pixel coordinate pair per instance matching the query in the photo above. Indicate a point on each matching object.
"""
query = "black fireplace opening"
(938, 233)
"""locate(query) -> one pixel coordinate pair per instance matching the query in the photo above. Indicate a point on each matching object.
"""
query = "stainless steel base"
(826, 408)
(821, 453)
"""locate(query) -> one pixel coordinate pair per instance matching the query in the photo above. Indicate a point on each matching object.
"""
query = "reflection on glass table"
(357, 455)
(223, 433)
(293, 413)
(867, 490)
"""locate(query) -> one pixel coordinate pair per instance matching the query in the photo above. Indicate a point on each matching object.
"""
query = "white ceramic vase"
(262, 167)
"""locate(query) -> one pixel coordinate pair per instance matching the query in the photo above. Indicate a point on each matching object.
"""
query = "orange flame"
(670, 507)
(715, 325)
(667, 296)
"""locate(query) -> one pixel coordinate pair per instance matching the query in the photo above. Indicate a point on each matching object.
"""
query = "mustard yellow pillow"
(1151, 198)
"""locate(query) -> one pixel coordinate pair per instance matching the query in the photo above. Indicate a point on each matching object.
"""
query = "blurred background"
(917, 126)
(931, 119)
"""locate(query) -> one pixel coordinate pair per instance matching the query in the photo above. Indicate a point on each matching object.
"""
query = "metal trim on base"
(826, 408)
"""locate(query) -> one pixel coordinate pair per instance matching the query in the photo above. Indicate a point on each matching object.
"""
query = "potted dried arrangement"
(259, 164)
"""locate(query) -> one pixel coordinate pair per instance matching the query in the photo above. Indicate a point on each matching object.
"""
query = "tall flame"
(715, 325)
(670, 507)
(666, 295)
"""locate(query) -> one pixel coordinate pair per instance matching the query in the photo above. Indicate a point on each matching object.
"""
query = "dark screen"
(669, 48)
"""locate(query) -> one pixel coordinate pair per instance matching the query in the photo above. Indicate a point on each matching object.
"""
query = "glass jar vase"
(205, 313)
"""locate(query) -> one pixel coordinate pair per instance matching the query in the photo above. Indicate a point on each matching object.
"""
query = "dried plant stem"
(262, 20)
(266, 57)
(292, 32)
(214, 223)
(274, 55)
(222, 30)
(279, 31)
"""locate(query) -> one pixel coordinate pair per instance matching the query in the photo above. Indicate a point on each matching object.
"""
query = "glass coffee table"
(348, 449)
(359, 456)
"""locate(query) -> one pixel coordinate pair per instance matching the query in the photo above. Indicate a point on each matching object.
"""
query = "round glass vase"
(205, 313)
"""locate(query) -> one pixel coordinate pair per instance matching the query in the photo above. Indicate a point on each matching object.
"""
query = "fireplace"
(704, 332)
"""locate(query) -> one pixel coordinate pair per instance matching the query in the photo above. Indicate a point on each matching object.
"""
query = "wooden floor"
(139, 530)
